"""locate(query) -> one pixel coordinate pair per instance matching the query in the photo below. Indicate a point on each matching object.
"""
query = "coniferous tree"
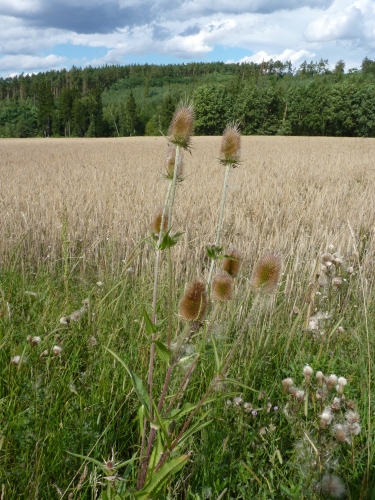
(45, 108)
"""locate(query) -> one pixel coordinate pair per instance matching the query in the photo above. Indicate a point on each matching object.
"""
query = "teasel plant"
(229, 157)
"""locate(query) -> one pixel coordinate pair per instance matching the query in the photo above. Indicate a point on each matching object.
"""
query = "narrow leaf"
(163, 351)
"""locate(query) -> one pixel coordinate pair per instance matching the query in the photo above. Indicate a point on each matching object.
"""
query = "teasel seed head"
(231, 263)
(156, 223)
(193, 304)
(267, 273)
(231, 145)
(182, 125)
(222, 287)
(171, 160)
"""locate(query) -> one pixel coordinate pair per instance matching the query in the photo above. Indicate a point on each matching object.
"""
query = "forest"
(270, 98)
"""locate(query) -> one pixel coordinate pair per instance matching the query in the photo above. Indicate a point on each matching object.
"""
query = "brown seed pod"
(267, 273)
(171, 159)
(222, 287)
(181, 127)
(231, 145)
(156, 223)
(193, 304)
(231, 264)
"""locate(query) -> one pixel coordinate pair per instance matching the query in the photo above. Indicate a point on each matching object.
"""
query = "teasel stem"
(217, 241)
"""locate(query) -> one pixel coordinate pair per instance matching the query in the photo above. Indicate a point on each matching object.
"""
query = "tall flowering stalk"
(230, 157)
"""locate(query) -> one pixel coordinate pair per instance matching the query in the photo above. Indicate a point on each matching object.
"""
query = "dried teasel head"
(171, 161)
(182, 125)
(231, 145)
(222, 287)
(267, 273)
(193, 304)
(156, 223)
(231, 263)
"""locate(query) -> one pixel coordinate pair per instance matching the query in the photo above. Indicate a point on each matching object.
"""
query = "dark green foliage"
(213, 109)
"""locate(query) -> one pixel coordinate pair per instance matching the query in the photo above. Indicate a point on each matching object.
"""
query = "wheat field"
(292, 195)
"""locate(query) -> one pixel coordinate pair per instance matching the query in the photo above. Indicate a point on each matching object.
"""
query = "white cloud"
(343, 25)
(287, 55)
(27, 62)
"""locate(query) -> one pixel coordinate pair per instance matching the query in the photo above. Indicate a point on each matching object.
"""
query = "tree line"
(266, 99)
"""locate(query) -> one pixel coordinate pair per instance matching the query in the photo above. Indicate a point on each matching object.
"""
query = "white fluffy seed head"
(331, 381)
(56, 350)
(308, 371)
(333, 485)
(15, 360)
(287, 384)
(326, 417)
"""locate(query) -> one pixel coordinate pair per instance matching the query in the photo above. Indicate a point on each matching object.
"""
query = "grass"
(74, 217)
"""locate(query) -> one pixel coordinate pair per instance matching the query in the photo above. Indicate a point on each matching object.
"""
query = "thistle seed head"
(156, 223)
(171, 160)
(230, 145)
(319, 377)
(287, 384)
(267, 273)
(182, 125)
(231, 264)
(333, 485)
(193, 304)
(222, 287)
(340, 431)
(307, 371)
(331, 381)
(15, 360)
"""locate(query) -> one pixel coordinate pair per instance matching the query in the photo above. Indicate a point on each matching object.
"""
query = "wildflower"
(193, 304)
(307, 371)
(340, 432)
(326, 417)
(331, 381)
(267, 273)
(181, 127)
(56, 350)
(15, 360)
(231, 263)
(230, 145)
(333, 485)
(337, 282)
(254, 413)
(341, 384)
(222, 287)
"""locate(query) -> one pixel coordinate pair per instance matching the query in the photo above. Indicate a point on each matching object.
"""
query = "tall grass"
(73, 219)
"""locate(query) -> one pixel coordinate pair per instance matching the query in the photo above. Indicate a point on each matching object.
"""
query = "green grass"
(82, 401)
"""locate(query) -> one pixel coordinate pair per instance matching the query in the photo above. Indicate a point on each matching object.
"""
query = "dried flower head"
(352, 417)
(267, 273)
(337, 282)
(326, 417)
(231, 263)
(15, 360)
(182, 125)
(230, 145)
(336, 404)
(340, 431)
(222, 287)
(171, 162)
(331, 381)
(77, 315)
(193, 304)
(238, 401)
(327, 259)
(333, 485)
(156, 223)
(65, 320)
(287, 384)
(34, 341)
(320, 378)
(56, 350)
(307, 371)
(341, 383)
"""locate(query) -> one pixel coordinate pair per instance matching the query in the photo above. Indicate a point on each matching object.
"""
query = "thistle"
(267, 273)
(231, 263)
(182, 125)
(222, 287)
(193, 304)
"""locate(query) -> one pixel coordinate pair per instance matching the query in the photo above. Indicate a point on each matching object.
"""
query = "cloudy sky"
(39, 35)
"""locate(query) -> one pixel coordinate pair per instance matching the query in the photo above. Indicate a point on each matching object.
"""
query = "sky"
(41, 35)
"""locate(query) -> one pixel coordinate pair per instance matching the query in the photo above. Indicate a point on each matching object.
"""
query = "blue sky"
(39, 35)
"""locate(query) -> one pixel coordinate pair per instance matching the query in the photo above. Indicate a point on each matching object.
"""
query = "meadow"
(75, 224)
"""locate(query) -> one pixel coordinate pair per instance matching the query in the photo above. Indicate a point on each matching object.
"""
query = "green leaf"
(159, 478)
(169, 241)
(217, 360)
(163, 351)
(136, 381)
(149, 325)
(162, 426)
(214, 252)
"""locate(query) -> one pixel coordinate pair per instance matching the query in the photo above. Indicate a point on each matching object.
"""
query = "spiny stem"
(217, 241)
